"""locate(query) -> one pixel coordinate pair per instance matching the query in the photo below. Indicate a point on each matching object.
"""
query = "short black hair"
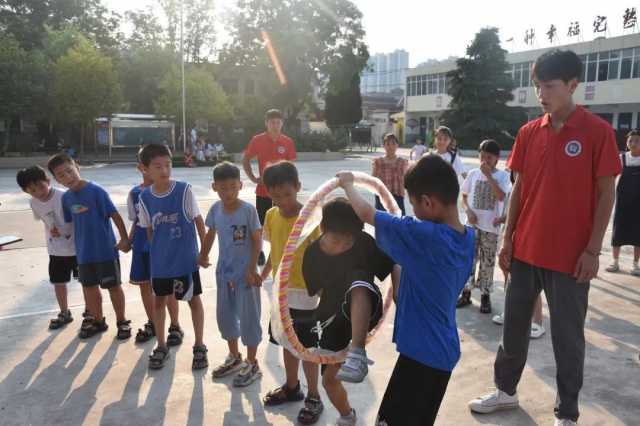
(153, 150)
(225, 171)
(30, 175)
(434, 177)
(338, 216)
(490, 146)
(272, 113)
(58, 160)
(634, 132)
(280, 173)
(557, 64)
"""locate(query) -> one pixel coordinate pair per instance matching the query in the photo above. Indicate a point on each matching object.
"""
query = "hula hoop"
(308, 220)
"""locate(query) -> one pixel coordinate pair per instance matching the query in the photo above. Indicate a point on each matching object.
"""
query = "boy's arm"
(471, 216)
(252, 275)
(202, 232)
(123, 245)
(363, 209)
(395, 281)
(205, 247)
(149, 233)
(266, 270)
(588, 263)
(513, 212)
(246, 165)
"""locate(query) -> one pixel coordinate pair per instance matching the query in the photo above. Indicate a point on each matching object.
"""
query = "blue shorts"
(140, 268)
(238, 312)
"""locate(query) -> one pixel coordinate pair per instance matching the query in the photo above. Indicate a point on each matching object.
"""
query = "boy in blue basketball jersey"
(140, 274)
(169, 211)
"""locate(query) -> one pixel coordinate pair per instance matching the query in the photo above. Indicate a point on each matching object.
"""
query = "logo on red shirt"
(573, 148)
(281, 150)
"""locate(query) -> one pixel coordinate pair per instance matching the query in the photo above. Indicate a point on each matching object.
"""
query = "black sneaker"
(261, 259)
(90, 327)
(464, 299)
(485, 304)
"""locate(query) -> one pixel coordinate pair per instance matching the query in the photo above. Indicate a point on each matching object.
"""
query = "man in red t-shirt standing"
(565, 165)
(269, 147)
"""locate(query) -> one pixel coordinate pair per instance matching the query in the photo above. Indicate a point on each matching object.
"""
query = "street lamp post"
(184, 114)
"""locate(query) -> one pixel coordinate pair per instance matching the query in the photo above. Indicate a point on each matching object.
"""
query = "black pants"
(568, 301)
(399, 200)
(413, 395)
(263, 204)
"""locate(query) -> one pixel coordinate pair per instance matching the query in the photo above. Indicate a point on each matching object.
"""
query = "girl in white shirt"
(445, 147)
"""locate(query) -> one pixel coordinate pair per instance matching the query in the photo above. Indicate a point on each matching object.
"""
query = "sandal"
(310, 413)
(61, 320)
(90, 327)
(124, 329)
(200, 360)
(159, 356)
(464, 300)
(283, 394)
(175, 335)
(146, 333)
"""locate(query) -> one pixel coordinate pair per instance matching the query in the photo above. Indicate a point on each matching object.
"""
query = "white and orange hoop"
(308, 219)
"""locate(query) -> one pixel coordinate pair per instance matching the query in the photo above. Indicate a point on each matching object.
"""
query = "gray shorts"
(105, 274)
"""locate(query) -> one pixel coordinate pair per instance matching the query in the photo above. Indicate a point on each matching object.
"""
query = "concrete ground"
(54, 378)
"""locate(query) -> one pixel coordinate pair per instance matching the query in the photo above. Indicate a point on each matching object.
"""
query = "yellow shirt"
(276, 230)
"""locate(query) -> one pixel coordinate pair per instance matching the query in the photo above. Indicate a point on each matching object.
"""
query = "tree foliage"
(307, 36)
(480, 90)
(85, 86)
(207, 100)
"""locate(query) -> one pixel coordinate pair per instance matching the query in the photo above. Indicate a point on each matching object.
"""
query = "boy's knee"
(329, 382)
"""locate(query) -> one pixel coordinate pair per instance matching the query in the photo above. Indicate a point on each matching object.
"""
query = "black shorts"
(413, 395)
(105, 274)
(183, 288)
(61, 268)
(303, 321)
(334, 333)
(263, 204)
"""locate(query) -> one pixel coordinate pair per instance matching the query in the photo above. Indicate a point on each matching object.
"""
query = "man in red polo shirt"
(565, 164)
(269, 147)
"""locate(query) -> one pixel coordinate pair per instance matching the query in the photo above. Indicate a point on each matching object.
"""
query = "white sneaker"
(565, 422)
(498, 319)
(494, 401)
(349, 420)
(614, 267)
(355, 367)
(537, 330)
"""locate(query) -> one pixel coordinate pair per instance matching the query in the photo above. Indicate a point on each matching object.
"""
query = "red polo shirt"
(269, 151)
(558, 192)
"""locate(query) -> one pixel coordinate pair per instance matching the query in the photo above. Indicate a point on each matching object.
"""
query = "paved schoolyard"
(54, 378)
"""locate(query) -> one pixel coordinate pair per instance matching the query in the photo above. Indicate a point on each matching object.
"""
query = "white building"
(385, 72)
(609, 85)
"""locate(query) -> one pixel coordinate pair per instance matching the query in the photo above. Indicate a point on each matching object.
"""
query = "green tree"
(199, 27)
(147, 31)
(28, 20)
(480, 90)
(343, 102)
(141, 71)
(22, 78)
(307, 36)
(205, 98)
(85, 86)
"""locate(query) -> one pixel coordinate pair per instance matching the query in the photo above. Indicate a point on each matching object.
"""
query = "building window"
(442, 83)
(624, 121)
(603, 66)
(627, 63)
(230, 86)
(517, 75)
(583, 59)
(614, 65)
(592, 66)
(635, 73)
(526, 74)
(423, 85)
(606, 116)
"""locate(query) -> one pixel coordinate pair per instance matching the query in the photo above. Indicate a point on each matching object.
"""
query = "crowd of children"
(333, 297)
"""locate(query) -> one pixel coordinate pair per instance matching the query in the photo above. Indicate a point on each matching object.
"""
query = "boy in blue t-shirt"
(169, 211)
(140, 274)
(91, 210)
(239, 232)
(435, 252)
